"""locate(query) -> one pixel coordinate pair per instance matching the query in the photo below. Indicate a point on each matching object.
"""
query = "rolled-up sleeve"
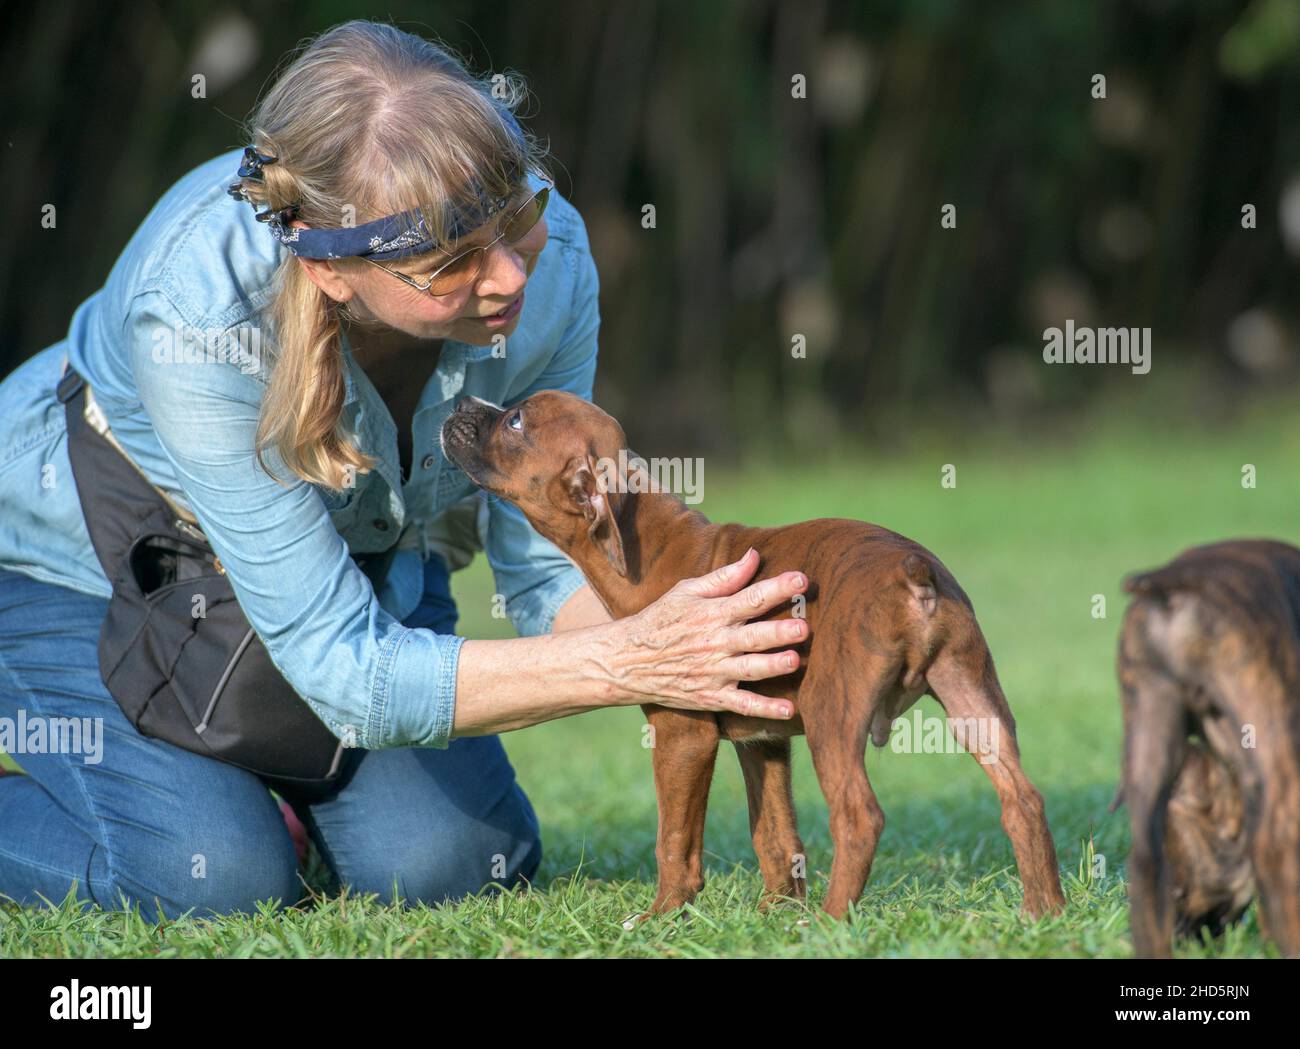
(531, 573)
(374, 682)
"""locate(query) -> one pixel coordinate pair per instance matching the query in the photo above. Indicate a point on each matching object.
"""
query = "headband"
(391, 237)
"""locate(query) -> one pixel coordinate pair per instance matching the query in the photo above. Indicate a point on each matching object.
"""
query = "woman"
(345, 332)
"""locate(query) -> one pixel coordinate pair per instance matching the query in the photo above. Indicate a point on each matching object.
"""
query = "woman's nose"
(505, 271)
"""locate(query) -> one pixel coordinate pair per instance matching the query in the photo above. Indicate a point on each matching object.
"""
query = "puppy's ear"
(588, 488)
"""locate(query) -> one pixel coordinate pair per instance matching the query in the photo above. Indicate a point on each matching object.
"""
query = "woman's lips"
(497, 320)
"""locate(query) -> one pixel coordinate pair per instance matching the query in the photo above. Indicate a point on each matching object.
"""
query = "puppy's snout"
(460, 428)
(465, 432)
(469, 419)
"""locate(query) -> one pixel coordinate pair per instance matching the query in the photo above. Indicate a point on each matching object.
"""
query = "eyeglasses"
(466, 267)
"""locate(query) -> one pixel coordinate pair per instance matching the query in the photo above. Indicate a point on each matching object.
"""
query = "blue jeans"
(152, 822)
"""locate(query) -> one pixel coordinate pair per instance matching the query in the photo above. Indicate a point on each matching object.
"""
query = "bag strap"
(71, 385)
(117, 501)
(376, 566)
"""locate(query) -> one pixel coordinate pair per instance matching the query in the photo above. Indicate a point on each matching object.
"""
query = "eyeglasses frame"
(501, 224)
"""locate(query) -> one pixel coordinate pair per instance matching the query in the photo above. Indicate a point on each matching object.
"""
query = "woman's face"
(472, 314)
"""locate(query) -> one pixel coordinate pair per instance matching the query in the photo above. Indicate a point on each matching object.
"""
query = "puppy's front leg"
(772, 820)
(685, 748)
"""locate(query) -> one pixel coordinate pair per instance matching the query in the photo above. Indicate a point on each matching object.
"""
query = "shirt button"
(428, 462)
(381, 524)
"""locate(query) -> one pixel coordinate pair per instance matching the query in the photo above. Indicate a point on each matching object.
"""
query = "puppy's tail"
(1161, 582)
(919, 576)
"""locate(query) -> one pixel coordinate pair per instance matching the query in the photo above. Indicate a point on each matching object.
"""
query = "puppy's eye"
(516, 421)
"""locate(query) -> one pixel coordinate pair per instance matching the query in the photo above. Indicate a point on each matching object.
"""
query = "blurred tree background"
(776, 215)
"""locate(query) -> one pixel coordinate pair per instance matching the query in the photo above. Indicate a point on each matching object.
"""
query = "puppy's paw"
(794, 898)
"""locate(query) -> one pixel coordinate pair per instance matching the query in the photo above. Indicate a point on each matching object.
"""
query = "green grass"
(1033, 530)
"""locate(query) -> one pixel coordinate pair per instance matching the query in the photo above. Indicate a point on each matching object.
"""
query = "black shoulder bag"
(175, 649)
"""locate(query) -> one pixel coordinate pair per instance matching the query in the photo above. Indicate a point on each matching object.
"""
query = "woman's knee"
(449, 863)
(208, 873)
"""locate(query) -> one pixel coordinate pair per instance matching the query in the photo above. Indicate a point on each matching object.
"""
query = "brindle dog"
(1209, 666)
(888, 624)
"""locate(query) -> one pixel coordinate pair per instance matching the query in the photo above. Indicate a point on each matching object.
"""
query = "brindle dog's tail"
(1160, 582)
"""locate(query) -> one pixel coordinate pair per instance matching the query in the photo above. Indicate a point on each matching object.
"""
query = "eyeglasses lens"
(465, 268)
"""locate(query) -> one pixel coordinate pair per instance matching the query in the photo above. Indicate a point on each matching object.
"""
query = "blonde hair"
(366, 121)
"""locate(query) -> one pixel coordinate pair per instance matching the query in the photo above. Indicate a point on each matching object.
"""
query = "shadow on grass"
(938, 836)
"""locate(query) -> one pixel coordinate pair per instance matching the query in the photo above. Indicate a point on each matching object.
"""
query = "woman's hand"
(687, 650)
(691, 647)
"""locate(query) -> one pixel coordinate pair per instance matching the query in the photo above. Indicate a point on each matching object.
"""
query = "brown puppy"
(887, 621)
(1210, 648)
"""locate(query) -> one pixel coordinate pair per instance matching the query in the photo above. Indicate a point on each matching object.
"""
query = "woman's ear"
(323, 274)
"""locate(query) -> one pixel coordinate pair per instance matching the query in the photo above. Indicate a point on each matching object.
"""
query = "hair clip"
(254, 162)
(283, 216)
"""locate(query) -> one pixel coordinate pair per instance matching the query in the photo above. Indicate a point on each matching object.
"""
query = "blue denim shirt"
(187, 411)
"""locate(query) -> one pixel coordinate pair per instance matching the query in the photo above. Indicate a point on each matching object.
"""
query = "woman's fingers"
(755, 600)
(768, 633)
(766, 595)
(756, 666)
(751, 704)
(724, 581)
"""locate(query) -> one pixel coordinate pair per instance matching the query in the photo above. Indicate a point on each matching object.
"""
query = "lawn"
(1033, 530)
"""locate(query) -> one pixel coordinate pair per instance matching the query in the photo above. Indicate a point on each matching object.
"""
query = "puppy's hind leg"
(772, 820)
(837, 738)
(1155, 747)
(1270, 787)
(1275, 853)
(966, 686)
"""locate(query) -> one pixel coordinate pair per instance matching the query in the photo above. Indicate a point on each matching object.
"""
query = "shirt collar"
(463, 351)
(454, 354)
